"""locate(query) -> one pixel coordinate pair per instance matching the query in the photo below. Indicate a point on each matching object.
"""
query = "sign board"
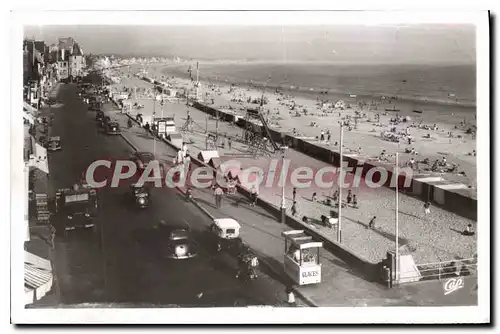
(76, 198)
(162, 127)
(310, 275)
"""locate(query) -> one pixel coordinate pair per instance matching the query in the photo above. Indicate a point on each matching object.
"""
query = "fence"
(441, 270)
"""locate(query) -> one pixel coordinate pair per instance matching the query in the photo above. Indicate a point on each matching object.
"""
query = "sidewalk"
(260, 230)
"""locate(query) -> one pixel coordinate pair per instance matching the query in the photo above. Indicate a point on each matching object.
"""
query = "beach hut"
(205, 156)
(175, 139)
(340, 105)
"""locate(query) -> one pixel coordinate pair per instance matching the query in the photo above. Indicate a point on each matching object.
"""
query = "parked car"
(54, 144)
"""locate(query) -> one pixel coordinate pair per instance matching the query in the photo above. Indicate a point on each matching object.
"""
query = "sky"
(385, 44)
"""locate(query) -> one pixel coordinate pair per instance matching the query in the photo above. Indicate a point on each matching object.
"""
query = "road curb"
(304, 298)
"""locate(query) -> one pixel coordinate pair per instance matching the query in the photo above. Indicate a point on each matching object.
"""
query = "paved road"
(112, 266)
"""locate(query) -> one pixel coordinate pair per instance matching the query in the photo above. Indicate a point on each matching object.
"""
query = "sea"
(442, 91)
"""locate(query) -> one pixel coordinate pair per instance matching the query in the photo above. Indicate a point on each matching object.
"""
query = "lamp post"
(283, 178)
(396, 171)
(341, 178)
(152, 121)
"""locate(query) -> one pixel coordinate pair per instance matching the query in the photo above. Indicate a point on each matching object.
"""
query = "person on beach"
(218, 192)
(371, 224)
(427, 208)
(468, 230)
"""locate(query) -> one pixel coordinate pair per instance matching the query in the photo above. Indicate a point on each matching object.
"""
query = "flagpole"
(397, 216)
(339, 230)
(152, 122)
(197, 80)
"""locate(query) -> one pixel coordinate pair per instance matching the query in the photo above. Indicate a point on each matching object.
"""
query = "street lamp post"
(152, 121)
(283, 178)
(341, 178)
(397, 216)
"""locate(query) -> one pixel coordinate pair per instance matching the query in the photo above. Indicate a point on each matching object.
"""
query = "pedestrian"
(229, 143)
(354, 201)
(313, 197)
(187, 163)
(147, 126)
(294, 208)
(349, 197)
(294, 194)
(427, 208)
(322, 136)
(371, 224)
(336, 196)
(254, 195)
(290, 297)
(218, 196)
(328, 136)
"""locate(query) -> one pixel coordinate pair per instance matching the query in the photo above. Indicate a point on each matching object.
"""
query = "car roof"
(226, 223)
(149, 154)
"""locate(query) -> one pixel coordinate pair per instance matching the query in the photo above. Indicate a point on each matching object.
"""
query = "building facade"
(62, 65)
(77, 62)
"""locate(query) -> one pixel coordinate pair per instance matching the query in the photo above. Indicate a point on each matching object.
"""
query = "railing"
(442, 270)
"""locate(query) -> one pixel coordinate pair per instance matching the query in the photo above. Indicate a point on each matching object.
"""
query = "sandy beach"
(367, 132)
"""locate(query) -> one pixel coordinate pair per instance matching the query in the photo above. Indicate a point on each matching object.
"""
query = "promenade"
(341, 285)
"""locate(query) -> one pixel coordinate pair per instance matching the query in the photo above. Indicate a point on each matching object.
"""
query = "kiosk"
(302, 257)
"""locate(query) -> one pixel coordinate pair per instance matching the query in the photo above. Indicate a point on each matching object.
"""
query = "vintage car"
(99, 116)
(225, 235)
(179, 243)
(76, 208)
(141, 195)
(104, 122)
(112, 128)
(54, 144)
(142, 159)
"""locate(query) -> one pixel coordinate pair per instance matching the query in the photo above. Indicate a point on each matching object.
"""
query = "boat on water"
(392, 109)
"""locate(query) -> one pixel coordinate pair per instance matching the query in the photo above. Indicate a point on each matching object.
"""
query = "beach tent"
(205, 156)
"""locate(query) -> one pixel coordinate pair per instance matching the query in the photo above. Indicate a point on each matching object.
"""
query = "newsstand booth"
(301, 258)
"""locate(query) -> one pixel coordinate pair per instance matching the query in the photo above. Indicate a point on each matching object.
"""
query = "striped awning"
(38, 277)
